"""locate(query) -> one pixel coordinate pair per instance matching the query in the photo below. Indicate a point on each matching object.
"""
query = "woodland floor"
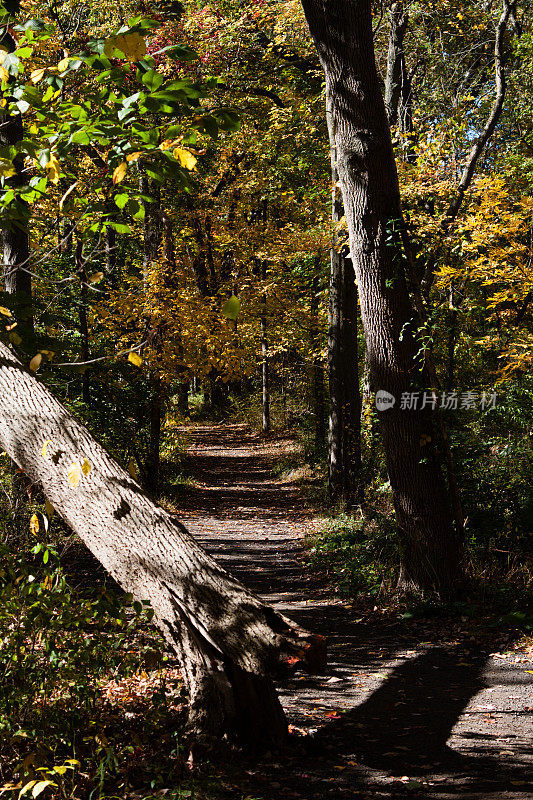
(408, 708)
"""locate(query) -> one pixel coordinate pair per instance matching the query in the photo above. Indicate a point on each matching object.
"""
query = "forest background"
(170, 177)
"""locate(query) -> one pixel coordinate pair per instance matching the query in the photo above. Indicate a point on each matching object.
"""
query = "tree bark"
(344, 436)
(153, 461)
(84, 327)
(229, 641)
(317, 366)
(265, 365)
(15, 238)
(396, 71)
(265, 382)
(153, 232)
(17, 277)
(352, 486)
(342, 31)
(398, 82)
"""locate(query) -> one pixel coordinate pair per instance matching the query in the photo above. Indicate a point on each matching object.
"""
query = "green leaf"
(152, 79)
(210, 126)
(136, 209)
(80, 137)
(229, 120)
(11, 63)
(119, 227)
(231, 307)
(121, 199)
(179, 51)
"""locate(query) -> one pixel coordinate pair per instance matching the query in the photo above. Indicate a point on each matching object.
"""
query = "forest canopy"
(311, 218)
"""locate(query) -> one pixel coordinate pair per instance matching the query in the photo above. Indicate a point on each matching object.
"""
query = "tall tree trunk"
(229, 642)
(342, 30)
(317, 366)
(153, 232)
(344, 439)
(15, 237)
(265, 362)
(17, 279)
(265, 377)
(452, 339)
(153, 460)
(183, 398)
(396, 70)
(171, 281)
(84, 327)
(398, 83)
(352, 487)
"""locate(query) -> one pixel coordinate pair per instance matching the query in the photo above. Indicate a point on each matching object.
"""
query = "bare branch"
(481, 141)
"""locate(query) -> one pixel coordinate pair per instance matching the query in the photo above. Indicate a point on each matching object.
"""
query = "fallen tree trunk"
(228, 641)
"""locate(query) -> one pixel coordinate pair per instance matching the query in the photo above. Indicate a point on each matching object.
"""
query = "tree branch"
(481, 141)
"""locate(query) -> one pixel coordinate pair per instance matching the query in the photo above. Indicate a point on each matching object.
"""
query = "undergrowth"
(90, 706)
(359, 557)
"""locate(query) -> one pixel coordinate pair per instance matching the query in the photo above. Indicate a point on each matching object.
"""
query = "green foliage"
(496, 476)
(74, 683)
(48, 628)
(357, 555)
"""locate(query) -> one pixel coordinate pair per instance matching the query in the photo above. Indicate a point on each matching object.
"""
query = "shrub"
(357, 554)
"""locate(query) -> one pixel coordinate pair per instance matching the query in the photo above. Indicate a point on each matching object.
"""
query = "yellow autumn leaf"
(120, 172)
(35, 363)
(6, 168)
(185, 158)
(95, 277)
(34, 524)
(69, 190)
(135, 359)
(86, 467)
(40, 786)
(5, 311)
(63, 64)
(4, 74)
(132, 45)
(45, 447)
(3, 54)
(48, 507)
(133, 156)
(37, 75)
(54, 168)
(168, 144)
(74, 475)
(109, 47)
(26, 788)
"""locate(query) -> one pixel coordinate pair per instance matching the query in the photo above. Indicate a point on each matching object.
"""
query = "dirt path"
(436, 709)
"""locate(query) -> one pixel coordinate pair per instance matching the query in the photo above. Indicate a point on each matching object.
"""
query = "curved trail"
(417, 709)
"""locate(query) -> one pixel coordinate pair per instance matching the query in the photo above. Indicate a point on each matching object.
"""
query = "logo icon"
(384, 400)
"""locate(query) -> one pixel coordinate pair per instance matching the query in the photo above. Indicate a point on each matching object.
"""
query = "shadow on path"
(406, 707)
